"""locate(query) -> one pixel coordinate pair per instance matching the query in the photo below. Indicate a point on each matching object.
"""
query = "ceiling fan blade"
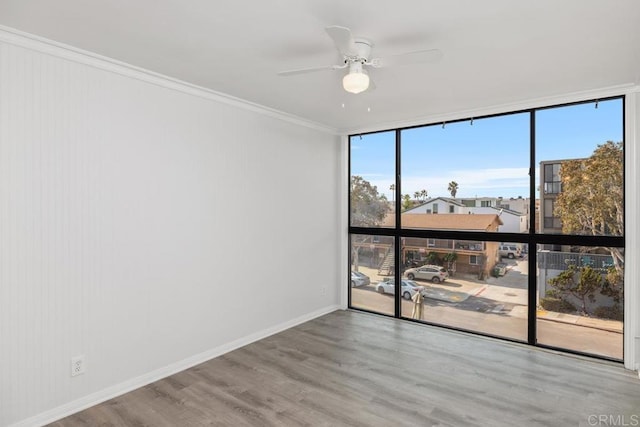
(408, 58)
(309, 70)
(343, 40)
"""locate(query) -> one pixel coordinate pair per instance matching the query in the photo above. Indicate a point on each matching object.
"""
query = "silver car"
(408, 289)
(435, 273)
(509, 251)
(359, 279)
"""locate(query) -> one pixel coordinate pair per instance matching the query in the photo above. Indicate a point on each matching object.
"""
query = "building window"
(550, 219)
(435, 208)
(552, 182)
(474, 260)
(485, 203)
(452, 209)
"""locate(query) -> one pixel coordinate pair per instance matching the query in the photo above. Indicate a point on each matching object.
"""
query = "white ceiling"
(495, 51)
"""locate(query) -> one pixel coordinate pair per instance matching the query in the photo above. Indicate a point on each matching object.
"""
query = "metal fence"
(562, 260)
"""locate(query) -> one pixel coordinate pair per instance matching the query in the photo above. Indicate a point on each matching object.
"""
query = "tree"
(453, 188)
(368, 209)
(582, 283)
(451, 259)
(392, 187)
(432, 258)
(406, 202)
(591, 199)
(421, 195)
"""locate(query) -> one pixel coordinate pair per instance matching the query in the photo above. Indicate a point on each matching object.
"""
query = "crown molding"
(60, 50)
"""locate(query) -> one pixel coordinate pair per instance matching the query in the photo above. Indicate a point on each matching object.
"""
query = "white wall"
(443, 208)
(124, 234)
(518, 205)
(632, 232)
(511, 223)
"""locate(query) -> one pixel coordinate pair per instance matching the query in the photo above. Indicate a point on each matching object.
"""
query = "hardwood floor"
(350, 368)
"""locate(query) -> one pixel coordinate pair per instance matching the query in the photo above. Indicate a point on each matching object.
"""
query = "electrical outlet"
(78, 365)
(323, 290)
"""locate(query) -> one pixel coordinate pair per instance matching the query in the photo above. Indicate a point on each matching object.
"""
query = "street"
(496, 306)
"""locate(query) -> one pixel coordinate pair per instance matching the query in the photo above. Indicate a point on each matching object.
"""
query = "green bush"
(613, 312)
(557, 304)
(432, 258)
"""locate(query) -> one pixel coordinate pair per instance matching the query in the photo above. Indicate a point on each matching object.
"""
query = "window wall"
(510, 225)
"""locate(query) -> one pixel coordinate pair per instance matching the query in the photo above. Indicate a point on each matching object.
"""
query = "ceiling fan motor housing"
(362, 50)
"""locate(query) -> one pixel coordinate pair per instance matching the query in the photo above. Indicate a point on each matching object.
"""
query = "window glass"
(468, 284)
(372, 267)
(466, 172)
(580, 156)
(372, 185)
(580, 294)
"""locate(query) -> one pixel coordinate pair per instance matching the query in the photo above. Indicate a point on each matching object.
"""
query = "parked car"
(359, 279)
(409, 288)
(509, 251)
(435, 273)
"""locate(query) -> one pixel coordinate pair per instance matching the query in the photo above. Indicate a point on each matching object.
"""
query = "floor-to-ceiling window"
(580, 263)
(509, 225)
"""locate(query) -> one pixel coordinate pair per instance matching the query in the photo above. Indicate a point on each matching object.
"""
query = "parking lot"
(495, 306)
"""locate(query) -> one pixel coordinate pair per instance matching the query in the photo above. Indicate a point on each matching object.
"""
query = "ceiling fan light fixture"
(356, 80)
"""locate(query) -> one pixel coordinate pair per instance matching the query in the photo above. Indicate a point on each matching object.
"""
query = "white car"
(408, 290)
(359, 279)
(435, 273)
(509, 251)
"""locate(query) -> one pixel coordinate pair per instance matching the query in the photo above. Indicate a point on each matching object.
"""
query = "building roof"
(507, 211)
(461, 222)
(448, 200)
(444, 199)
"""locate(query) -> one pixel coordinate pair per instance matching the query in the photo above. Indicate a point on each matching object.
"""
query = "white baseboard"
(134, 383)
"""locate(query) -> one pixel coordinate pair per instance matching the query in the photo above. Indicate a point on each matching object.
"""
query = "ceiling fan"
(356, 54)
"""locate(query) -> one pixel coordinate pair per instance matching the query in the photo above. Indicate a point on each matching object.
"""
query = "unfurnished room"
(319, 213)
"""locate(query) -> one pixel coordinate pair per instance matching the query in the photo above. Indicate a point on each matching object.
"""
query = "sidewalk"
(588, 322)
(491, 288)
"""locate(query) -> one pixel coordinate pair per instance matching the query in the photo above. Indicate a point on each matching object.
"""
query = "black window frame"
(530, 239)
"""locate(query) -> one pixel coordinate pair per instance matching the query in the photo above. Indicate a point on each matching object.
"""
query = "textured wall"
(125, 234)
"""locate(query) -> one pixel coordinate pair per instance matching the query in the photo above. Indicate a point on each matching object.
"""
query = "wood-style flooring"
(357, 369)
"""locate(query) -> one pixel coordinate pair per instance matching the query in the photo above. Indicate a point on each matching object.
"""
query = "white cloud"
(507, 182)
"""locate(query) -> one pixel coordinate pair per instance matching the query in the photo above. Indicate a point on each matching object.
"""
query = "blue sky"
(488, 158)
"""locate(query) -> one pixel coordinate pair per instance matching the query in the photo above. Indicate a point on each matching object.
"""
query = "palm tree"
(392, 187)
(420, 196)
(453, 188)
